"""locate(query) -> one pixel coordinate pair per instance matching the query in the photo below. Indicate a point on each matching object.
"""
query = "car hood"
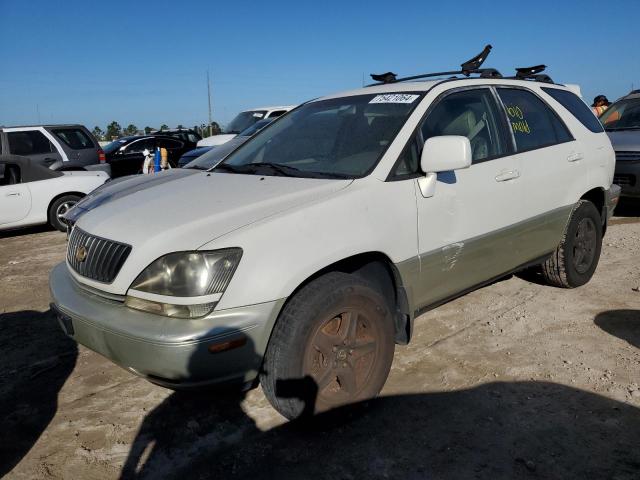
(216, 140)
(119, 188)
(185, 213)
(625, 140)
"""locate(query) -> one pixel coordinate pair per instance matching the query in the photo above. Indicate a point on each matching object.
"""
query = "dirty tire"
(576, 258)
(59, 207)
(332, 345)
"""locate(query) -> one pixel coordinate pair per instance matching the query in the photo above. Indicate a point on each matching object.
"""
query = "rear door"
(129, 160)
(34, 144)
(15, 197)
(80, 145)
(175, 149)
(465, 229)
(550, 162)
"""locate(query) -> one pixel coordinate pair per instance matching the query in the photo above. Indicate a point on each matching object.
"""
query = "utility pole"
(209, 97)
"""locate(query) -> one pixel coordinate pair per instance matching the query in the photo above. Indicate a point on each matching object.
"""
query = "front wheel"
(576, 258)
(58, 208)
(332, 345)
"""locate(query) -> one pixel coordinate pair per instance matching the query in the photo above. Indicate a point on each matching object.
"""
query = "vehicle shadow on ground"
(493, 431)
(628, 207)
(19, 232)
(624, 324)
(35, 360)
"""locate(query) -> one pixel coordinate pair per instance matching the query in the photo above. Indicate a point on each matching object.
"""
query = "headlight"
(184, 284)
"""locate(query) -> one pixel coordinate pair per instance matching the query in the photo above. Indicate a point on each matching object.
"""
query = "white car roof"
(277, 107)
(428, 85)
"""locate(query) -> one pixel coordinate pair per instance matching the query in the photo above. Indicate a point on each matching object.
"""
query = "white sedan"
(31, 194)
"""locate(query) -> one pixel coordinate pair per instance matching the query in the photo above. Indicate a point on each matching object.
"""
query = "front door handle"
(574, 157)
(13, 194)
(510, 175)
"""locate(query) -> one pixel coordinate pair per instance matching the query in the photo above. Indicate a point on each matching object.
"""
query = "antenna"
(209, 98)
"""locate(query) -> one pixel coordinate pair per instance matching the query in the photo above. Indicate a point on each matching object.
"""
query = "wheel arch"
(597, 197)
(60, 195)
(378, 269)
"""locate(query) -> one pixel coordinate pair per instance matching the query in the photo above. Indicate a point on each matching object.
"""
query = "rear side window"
(31, 142)
(533, 123)
(577, 107)
(141, 145)
(277, 113)
(74, 138)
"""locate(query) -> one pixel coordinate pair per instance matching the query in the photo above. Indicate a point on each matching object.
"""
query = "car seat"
(468, 126)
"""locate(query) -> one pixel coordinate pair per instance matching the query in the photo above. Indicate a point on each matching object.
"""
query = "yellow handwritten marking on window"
(515, 111)
(520, 124)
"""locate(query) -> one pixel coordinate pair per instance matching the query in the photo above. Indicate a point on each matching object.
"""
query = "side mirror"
(442, 154)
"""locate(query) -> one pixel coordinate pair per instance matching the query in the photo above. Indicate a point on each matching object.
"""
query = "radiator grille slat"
(103, 260)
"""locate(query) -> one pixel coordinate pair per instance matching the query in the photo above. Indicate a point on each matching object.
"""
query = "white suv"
(304, 257)
(241, 122)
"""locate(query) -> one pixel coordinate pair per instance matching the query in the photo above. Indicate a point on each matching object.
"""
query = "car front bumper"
(226, 346)
(627, 175)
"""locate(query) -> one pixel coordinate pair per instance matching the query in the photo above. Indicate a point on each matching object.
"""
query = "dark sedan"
(126, 156)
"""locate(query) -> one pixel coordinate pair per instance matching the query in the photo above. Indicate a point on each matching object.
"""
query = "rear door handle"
(574, 157)
(13, 194)
(510, 175)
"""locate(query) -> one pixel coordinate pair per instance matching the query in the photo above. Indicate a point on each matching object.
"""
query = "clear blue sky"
(145, 62)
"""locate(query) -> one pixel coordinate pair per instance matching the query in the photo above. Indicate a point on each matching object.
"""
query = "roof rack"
(471, 66)
(468, 68)
(533, 73)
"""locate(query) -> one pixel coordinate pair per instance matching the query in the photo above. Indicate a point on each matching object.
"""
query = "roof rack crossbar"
(471, 66)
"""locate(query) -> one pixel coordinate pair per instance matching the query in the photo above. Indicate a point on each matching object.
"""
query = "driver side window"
(470, 113)
(9, 174)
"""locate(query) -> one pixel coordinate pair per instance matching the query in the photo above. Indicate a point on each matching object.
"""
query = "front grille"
(102, 259)
(628, 156)
(625, 180)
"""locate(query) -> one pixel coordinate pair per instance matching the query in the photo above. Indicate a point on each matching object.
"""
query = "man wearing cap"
(600, 104)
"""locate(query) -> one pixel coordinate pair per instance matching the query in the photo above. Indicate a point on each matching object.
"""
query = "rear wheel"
(576, 258)
(58, 208)
(332, 345)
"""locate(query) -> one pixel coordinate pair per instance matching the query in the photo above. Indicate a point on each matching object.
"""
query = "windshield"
(337, 138)
(622, 115)
(115, 145)
(256, 127)
(244, 120)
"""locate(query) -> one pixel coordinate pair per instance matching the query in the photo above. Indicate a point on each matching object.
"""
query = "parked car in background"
(207, 157)
(303, 257)
(622, 123)
(188, 136)
(191, 155)
(242, 121)
(31, 193)
(58, 147)
(125, 155)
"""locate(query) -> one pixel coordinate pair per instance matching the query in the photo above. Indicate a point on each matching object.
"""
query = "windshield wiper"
(197, 167)
(278, 168)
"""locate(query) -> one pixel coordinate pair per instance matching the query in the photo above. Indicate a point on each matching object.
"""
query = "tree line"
(114, 130)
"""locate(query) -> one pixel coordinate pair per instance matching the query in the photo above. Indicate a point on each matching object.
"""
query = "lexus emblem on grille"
(81, 253)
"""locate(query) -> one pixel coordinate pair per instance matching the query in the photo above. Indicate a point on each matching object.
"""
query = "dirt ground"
(515, 380)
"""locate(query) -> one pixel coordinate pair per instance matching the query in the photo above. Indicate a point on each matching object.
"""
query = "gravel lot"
(515, 380)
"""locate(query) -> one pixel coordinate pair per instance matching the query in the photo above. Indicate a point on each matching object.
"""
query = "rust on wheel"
(341, 356)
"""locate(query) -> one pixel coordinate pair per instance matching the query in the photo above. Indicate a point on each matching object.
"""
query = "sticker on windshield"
(258, 115)
(394, 98)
